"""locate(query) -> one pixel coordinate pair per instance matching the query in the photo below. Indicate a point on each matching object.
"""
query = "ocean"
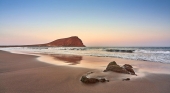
(151, 54)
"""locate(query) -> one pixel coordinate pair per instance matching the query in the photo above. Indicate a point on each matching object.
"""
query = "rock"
(116, 68)
(108, 66)
(127, 69)
(104, 70)
(112, 66)
(126, 79)
(112, 63)
(84, 79)
(132, 72)
(102, 80)
(123, 51)
(127, 66)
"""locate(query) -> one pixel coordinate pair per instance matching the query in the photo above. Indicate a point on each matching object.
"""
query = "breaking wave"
(154, 54)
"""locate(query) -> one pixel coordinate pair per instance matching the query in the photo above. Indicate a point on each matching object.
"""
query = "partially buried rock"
(126, 79)
(127, 66)
(84, 79)
(127, 69)
(112, 66)
(112, 63)
(103, 80)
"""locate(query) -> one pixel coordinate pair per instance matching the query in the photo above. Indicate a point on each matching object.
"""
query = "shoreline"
(24, 73)
(101, 62)
(157, 54)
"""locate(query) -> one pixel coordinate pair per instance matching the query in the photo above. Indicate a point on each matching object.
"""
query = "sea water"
(152, 54)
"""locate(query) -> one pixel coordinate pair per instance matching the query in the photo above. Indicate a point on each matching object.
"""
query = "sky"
(95, 22)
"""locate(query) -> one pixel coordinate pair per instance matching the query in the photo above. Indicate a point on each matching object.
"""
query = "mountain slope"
(73, 41)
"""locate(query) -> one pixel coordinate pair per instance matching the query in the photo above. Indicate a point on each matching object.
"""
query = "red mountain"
(73, 41)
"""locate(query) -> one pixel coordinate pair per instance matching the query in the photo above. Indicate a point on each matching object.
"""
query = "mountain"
(73, 41)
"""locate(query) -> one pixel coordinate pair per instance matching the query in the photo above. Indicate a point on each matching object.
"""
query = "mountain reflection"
(72, 59)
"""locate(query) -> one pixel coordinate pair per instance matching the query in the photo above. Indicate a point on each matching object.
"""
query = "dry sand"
(25, 74)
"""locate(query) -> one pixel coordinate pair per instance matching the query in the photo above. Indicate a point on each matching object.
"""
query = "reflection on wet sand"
(72, 59)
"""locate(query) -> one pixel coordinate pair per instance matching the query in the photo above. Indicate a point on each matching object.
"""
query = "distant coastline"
(72, 41)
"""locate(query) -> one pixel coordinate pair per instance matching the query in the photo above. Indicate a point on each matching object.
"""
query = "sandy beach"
(21, 73)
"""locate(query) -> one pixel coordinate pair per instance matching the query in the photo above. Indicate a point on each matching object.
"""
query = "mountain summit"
(73, 41)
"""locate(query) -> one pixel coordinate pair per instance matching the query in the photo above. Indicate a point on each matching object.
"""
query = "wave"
(144, 54)
(152, 51)
(120, 50)
(117, 50)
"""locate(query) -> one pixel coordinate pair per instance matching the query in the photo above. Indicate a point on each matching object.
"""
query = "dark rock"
(104, 70)
(130, 51)
(132, 72)
(84, 79)
(102, 80)
(107, 80)
(112, 63)
(126, 79)
(127, 66)
(116, 68)
(127, 69)
(112, 66)
(117, 50)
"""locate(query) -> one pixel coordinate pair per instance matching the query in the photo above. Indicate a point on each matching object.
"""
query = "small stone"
(102, 80)
(84, 79)
(126, 79)
(105, 71)
(107, 80)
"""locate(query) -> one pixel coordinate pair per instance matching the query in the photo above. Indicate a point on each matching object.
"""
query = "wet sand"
(25, 74)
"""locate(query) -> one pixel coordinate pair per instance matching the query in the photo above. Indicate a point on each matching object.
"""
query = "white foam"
(139, 54)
